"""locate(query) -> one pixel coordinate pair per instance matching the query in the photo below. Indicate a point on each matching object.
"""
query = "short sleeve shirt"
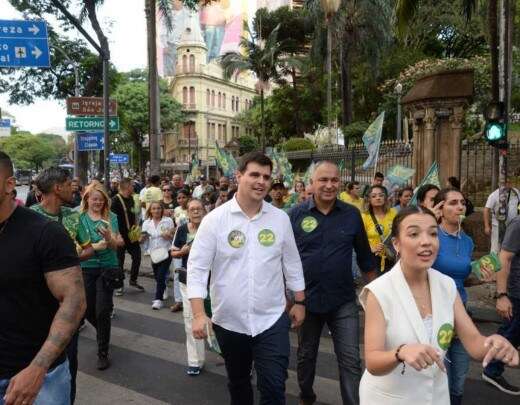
(70, 221)
(511, 243)
(183, 236)
(103, 258)
(493, 204)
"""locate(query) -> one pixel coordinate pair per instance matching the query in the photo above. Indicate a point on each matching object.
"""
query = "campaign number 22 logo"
(445, 335)
(266, 237)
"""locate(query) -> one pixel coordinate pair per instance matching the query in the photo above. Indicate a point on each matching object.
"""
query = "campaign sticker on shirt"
(445, 336)
(309, 224)
(266, 237)
(236, 239)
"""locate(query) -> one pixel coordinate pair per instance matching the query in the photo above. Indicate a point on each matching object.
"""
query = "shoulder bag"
(134, 231)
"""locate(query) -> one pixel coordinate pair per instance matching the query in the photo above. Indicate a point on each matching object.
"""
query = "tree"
(247, 144)
(27, 151)
(261, 57)
(132, 98)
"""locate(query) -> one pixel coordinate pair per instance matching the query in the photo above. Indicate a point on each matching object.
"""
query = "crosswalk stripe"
(93, 390)
(326, 389)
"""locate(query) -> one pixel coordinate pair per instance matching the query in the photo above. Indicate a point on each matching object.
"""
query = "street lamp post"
(330, 7)
(399, 92)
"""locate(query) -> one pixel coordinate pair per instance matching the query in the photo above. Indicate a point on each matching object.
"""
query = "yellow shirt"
(373, 236)
(347, 198)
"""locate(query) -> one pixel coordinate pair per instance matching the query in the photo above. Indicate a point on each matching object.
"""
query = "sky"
(125, 25)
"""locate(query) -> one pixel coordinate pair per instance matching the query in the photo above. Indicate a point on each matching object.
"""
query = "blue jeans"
(160, 271)
(458, 368)
(344, 326)
(270, 352)
(55, 389)
(510, 329)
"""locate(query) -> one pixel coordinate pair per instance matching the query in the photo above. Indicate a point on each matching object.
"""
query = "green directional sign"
(91, 124)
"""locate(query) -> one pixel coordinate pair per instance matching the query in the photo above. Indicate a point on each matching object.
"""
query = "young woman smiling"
(102, 227)
(411, 315)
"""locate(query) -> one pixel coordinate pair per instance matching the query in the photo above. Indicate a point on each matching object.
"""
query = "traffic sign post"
(89, 106)
(24, 43)
(119, 158)
(91, 124)
(88, 141)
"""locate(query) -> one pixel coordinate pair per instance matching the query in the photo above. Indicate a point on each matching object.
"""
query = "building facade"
(210, 103)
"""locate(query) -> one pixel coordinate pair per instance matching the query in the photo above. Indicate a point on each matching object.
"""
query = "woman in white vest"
(411, 315)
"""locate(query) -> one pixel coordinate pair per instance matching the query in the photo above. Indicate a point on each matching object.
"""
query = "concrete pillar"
(428, 150)
(456, 123)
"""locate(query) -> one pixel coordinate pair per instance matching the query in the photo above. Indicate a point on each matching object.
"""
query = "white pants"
(177, 295)
(195, 347)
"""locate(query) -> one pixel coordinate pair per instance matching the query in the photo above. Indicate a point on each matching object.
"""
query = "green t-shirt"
(70, 221)
(103, 258)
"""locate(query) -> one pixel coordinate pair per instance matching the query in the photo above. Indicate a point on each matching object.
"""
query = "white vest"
(405, 325)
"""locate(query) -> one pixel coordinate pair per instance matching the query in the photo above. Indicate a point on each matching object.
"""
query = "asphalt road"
(149, 357)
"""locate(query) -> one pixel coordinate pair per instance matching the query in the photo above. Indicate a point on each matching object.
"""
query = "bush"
(354, 132)
(298, 144)
(247, 144)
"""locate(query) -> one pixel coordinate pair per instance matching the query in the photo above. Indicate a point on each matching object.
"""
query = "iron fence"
(475, 168)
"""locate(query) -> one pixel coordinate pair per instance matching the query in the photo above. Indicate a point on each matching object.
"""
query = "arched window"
(224, 101)
(219, 99)
(237, 107)
(192, 95)
(213, 98)
(192, 63)
(208, 97)
(184, 64)
(184, 95)
(233, 103)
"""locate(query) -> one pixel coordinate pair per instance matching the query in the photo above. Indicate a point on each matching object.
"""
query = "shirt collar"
(235, 207)
(311, 204)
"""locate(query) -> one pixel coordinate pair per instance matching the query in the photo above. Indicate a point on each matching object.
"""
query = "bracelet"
(398, 359)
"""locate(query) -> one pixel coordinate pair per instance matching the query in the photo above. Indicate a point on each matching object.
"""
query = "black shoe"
(501, 383)
(135, 285)
(103, 362)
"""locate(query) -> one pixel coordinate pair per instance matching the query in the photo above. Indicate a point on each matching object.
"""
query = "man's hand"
(198, 326)
(504, 307)
(297, 315)
(24, 386)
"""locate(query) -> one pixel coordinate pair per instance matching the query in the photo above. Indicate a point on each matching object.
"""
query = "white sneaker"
(119, 292)
(157, 304)
(165, 294)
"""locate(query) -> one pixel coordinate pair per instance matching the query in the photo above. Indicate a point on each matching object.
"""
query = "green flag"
(432, 177)
(399, 174)
(225, 161)
(195, 170)
(372, 140)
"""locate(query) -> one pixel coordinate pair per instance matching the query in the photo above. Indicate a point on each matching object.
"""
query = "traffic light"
(496, 127)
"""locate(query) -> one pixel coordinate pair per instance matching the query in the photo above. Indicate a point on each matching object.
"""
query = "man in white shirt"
(491, 211)
(249, 247)
(201, 188)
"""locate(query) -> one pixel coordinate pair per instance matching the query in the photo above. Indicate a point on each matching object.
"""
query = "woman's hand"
(499, 348)
(420, 356)
(185, 250)
(105, 232)
(101, 245)
(437, 210)
(378, 249)
(488, 275)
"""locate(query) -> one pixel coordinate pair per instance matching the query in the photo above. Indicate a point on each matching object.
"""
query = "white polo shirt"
(248, 259)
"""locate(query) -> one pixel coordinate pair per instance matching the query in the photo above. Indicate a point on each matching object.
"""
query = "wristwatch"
(302, 302)
(500, 295)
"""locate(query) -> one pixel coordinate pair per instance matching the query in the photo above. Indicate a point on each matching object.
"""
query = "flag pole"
(377, 156)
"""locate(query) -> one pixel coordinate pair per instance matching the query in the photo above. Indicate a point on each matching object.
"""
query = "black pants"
(270, 352)
(72, 354)
(134, 250)
(99, 306)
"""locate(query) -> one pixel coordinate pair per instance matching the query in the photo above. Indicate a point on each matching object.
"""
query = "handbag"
(113, 278)
(134, 231)
(159, 255)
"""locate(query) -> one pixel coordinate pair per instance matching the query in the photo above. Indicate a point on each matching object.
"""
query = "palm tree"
(263, 58)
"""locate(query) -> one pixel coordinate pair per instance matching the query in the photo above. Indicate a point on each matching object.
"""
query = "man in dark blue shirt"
(326, 231)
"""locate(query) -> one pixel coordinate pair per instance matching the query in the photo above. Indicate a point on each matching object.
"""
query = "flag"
(195, 171)
(399, 174)
(372, 140)
(432, 177)
(285, 169)
(225, 161)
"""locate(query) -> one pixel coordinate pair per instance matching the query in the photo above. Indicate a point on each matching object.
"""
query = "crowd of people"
(249, 258)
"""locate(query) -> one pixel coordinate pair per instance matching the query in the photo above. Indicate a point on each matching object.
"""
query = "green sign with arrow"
(91, 124)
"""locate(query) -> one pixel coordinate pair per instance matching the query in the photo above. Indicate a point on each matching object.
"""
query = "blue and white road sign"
(90, 141)
(24, 43)
(119, 158)
(5, 127)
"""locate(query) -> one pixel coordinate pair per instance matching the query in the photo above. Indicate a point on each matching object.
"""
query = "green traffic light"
(495, 132)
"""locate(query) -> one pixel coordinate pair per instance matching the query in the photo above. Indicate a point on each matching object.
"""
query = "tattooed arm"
(67, 287)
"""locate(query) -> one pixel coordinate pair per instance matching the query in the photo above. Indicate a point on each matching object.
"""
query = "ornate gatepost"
(435, 108)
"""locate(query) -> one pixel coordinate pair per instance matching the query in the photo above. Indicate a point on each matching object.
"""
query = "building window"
(219, 99)
(192, 96)
(224, 133)
(233, 103)
(208, 130)
(224, 101)
(184, 96)
(213, 98)
(208, 97)
(212, 133)
(192, 63)
(184, 63)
